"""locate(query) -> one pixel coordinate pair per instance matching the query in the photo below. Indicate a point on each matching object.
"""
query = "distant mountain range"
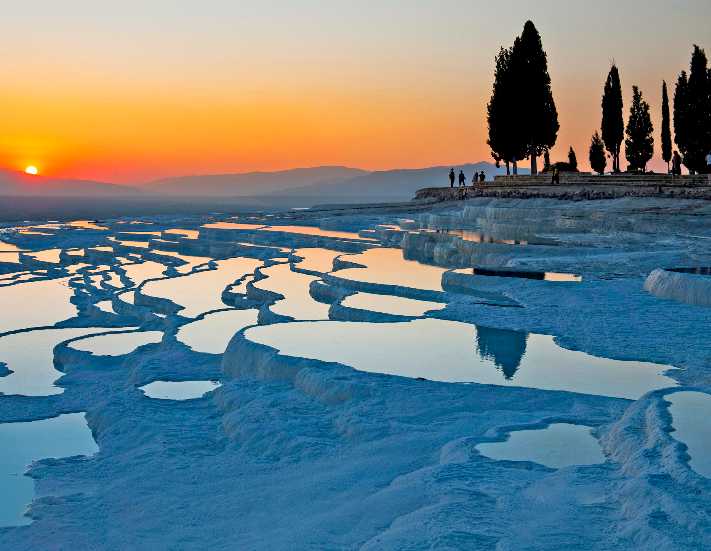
(302, 186)
(19, 184)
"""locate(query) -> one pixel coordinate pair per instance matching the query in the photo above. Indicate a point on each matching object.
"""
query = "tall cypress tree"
(681, 114)
(699, 121)
(598, 161)
(666, 130)
(572, 159)
(639, 144)
(504, 139)
(692, 112)
(613, 125)
(536, 112)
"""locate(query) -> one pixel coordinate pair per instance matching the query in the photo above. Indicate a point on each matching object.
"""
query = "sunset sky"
(135, 90)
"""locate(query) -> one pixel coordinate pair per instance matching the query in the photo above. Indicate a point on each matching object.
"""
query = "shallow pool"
(23, 443)
(691, 419)
(451, 351)
(116, 344)
(556, 446)
(180, 390)
(212, 333)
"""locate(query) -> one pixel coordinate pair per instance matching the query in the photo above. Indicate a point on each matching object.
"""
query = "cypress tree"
(666, 130)
(572, 160)
(681, 114)
(612, 123)
(639, 144)
(504, 139)
(699, 112)
(537, 116)
(598, 161)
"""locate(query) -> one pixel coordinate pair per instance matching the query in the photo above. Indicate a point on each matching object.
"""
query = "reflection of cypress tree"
(504, 347)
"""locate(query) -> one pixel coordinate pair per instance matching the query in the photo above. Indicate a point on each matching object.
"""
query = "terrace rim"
(578, 186)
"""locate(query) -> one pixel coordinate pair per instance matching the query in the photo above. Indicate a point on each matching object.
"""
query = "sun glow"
(31, 170)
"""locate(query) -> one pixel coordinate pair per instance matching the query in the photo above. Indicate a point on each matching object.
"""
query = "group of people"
(476, 177)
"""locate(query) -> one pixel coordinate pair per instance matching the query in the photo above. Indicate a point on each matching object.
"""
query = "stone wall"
(579, 186)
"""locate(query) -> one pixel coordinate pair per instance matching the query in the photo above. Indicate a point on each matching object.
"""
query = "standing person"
(556, 176)
(475, 178)
(462, 179)
(451, 177)
(482, 177)
(708, 163)
(676, 164)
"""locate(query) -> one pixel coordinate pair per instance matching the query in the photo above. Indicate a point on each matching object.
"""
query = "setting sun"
(31, 170)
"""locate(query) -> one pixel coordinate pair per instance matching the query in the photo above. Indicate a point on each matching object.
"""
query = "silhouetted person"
(475, 178)
(462, 178)
(556, 176)
(676, 164)
(451, 177)
(482, 177)
(514, 161)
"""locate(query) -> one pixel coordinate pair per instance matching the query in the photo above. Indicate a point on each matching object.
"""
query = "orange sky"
(131, 93)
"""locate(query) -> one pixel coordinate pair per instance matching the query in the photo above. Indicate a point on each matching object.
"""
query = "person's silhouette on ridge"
(451, 177)
(462, 178)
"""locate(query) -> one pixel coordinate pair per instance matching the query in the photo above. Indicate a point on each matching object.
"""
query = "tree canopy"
(666, 130)
(692, 112)
(522, 116)
(598, 161)
(613, 125)
(639, 144)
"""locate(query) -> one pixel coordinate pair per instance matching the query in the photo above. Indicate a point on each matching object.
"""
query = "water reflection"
(30, 357)
(180, 390)
(448, 351)
(117, 344)
(388, 304)
(23, 443)
(294, 287)
(388, 266)
(51, 297)
(503, 347)
(201, 291)
(212, 333)
(524, 274)
(558, 445)
(690, 413)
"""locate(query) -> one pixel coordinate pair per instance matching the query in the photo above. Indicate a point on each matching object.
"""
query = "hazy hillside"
(18, 184)
(389, 185)
(251, 183)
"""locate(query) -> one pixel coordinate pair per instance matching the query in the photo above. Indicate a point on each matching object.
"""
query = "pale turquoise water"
(691, 419)
(558, 445)
(451, 351)
(23, 443)
(180, 390)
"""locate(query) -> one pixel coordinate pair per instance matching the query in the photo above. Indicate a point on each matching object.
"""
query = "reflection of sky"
(50, 299)
(691, 412)
(297, 302)
(117, 344)
(316, 259)
(212, 333)
(558, 445)
(388, 304)
(181, 390)
(30, 357)
(201, 291)
(387, 266)
(23, 443)
(449, 351)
